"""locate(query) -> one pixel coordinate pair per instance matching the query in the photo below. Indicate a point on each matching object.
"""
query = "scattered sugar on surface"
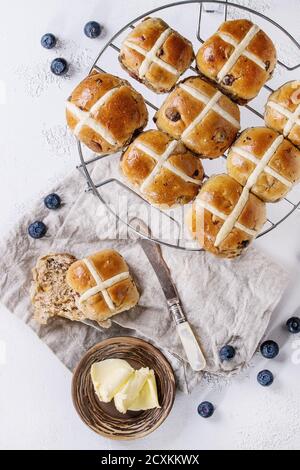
(37, 78)
(272, 424)
(59, 141)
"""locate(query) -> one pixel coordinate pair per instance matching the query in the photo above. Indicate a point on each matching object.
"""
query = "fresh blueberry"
(265, 378)
(269, 349)
(227, 353)
(206, 409)
(293, 325)
(52, 201)
(92, 29)
(48, 41)
(59, 66)
(37, 229)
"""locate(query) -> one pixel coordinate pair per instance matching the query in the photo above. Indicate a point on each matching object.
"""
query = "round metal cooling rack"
(87, 163)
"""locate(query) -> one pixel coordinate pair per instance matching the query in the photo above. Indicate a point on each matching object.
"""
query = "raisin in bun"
(225, 217)
(283, 111)
(104, 284)
(264, 161)
(156, 55)
(105, 112)
(204, 119)
(239, 57)
(166, 173)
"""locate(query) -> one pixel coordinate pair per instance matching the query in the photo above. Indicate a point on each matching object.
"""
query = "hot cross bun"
(156, 55)
(283, 111)
(104, 284)
(239, 57)
(225, 217)
(264, 161)
(164, 170)
(204, 119)
(105, 112)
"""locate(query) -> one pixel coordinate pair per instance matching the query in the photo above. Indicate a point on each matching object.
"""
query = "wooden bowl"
(104, 418)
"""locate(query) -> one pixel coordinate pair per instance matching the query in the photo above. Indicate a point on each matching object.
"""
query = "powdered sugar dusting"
(59, 140)
(37, 78)
(272, 424)
(215, 383)
(259, 5)
(80, 59)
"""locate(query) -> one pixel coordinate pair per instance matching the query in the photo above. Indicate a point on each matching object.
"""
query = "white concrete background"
(35, 406)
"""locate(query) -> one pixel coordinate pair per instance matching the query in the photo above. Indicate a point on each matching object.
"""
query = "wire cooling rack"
(168, 227)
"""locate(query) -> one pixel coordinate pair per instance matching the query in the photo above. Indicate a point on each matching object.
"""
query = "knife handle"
(176, 311)
(189, 342)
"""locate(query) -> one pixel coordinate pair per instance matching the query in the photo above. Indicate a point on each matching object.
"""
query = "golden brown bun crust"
(223, 193)
(213, 135)
(123, 115)
(285, 161)
(108, 263)
(167, 189)
(246, 78)
(287, 96)
(177, 51)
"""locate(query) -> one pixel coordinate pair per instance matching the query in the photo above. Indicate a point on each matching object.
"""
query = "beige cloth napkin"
(225, 301)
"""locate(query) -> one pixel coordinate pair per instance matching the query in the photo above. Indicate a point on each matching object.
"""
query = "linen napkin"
(226, 301)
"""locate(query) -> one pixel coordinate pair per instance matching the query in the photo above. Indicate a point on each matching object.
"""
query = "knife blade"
(154, 255)
(190, 344)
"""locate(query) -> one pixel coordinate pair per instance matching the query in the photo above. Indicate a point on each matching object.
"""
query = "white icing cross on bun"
(240, 49)
(235, 214)
(162, 163)
(249, 156)
(151, 56)
(210, 104)
(292, 118)
(86, 118)
(101, 286)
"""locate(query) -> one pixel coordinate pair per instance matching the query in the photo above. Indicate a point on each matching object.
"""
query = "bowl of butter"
(123, 388)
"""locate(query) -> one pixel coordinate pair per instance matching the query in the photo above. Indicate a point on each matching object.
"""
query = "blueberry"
(293, 325)
(59, 66)
(206, 409)
(48, 41)
(52, 201)
(265, 378)
(269, 349)
(227, 353)
(92, 29)
(37, 229)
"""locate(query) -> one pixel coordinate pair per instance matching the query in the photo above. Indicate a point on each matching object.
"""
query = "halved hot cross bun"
(104, 284)
(239, 57)
(156, 55)
(265, 162)
(204, 119)
(50, 294)
(283, 111)
(225, 217)
(165, 171)
(105, 112)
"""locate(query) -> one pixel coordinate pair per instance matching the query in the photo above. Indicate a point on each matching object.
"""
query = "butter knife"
(190, 344)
